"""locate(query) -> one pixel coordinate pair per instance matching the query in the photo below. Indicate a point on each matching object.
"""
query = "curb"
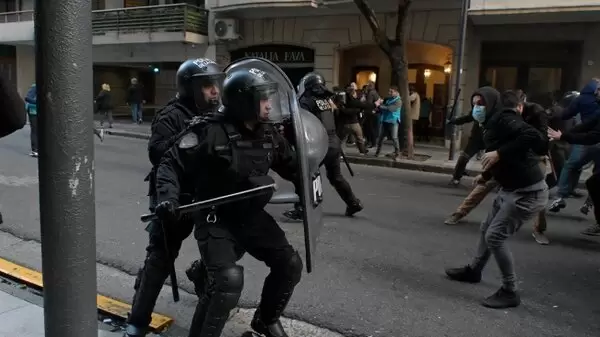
(402, 164)
(106, 305)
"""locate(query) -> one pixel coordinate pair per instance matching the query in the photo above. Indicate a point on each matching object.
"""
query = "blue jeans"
(136, 112)
(579, 157)
(389, 130)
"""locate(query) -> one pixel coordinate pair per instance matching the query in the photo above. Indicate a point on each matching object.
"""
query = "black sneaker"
(502, 299)
(294, 214)
(354, 208)
(464, 274)
(454, 182)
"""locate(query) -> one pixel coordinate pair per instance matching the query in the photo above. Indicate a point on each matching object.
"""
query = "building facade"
(536, 45)
(539, 46)
(131, 38)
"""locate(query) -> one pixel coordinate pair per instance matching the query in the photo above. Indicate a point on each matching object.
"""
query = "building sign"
(277, 53)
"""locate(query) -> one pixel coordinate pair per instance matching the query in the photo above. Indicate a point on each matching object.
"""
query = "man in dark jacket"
(135, 99)
(587, 133)
(348, 115)
(474, 145)
(12, 111)
(585, 106)
(513, 161)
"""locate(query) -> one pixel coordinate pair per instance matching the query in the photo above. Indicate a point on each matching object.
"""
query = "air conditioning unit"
(226, 29)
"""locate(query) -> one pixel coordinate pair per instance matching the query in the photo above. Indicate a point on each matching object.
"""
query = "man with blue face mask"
(512, 160)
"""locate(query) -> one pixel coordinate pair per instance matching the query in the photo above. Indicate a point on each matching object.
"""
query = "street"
(378, 274)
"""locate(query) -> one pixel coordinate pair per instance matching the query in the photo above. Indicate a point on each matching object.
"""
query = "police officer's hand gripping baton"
(204, 204)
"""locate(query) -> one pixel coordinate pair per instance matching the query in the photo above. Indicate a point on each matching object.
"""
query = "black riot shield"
(311, 143)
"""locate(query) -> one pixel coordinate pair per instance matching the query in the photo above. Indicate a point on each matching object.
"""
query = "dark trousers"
(219, 243)
(156, 269)
(33, 123)
(593, 187)
(333, 170)
(422, 129)
(463, 159)
(371, 128)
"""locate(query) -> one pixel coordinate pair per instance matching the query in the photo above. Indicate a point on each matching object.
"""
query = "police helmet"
(314, 83)
(251, 95)
(200, 80)
(568, 98)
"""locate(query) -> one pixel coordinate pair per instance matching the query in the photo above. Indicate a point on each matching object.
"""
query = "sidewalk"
(430, 158)
(22, 314)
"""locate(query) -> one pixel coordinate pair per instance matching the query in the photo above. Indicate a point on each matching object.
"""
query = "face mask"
(479, 113)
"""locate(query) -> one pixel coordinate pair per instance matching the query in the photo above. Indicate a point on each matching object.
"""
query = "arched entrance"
(429, 73)
(294, 60)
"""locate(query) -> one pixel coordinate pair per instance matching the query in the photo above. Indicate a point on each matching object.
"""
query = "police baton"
(347, 163)
(225, 199)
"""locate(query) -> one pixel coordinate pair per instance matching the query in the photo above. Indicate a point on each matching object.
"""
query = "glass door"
(502, 78)
(544, 80)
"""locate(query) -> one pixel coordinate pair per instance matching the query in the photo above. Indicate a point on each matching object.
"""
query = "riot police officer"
(316, 98)
(223, 155)
(199, 82)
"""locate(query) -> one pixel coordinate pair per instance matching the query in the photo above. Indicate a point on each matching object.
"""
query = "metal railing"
(163, 18)
(21, 16)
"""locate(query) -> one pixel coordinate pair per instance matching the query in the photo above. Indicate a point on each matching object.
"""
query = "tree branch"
(402, 13)
(365, 8)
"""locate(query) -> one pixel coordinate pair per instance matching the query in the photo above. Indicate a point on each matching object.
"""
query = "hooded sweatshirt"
(516, 142)
(586, 104)
(31, 100)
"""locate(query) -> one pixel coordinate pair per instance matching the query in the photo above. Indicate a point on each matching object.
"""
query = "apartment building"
(131, 38)
(536, 45)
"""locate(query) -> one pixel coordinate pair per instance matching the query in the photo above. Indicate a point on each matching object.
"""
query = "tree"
(395, 50)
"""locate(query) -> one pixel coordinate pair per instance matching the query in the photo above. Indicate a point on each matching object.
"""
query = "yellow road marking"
(105, 304)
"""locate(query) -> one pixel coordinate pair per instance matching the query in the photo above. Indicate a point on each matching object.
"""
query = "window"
(98, 4)
(8, 6)
(502, 78)
(544, 80)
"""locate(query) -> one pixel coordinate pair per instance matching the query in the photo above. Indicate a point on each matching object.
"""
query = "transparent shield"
(286, 92)
(270, 108)
(207, 89)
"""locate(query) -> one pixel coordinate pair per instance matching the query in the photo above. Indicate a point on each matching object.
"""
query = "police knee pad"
(292, 268)
(229, 279)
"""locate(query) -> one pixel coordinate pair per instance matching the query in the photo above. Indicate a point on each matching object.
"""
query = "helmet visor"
(207, 89)
(269, 104)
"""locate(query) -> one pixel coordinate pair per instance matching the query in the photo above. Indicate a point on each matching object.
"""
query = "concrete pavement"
(378, 274)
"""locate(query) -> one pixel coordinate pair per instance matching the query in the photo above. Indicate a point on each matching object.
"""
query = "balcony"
(166, 23)
(497, 12)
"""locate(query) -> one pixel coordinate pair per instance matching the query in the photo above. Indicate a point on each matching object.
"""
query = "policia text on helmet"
(200, 81)
(250, 96)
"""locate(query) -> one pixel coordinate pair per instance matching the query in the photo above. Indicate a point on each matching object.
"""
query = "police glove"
(167, 211)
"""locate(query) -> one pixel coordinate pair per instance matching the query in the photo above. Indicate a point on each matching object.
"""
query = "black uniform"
(316, 99)
(167, 127)
(220, 156)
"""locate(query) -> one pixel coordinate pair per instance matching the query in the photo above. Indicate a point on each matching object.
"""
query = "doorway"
(296, 74)
(362, 75)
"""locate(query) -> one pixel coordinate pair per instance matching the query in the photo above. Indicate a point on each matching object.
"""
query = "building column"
(25, 68)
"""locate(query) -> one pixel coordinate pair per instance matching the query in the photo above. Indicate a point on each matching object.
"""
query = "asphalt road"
(379, 274)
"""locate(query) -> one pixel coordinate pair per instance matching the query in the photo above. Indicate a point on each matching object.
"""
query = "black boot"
(268, 330)
(277, 291)
(132, 331)
(354, 208)
(294, 214)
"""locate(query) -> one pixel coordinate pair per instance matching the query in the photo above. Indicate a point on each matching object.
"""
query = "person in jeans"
(587, 133)
(31, 107)
(135, 99)
(585, 106)
(389, 119)
(513, 161)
